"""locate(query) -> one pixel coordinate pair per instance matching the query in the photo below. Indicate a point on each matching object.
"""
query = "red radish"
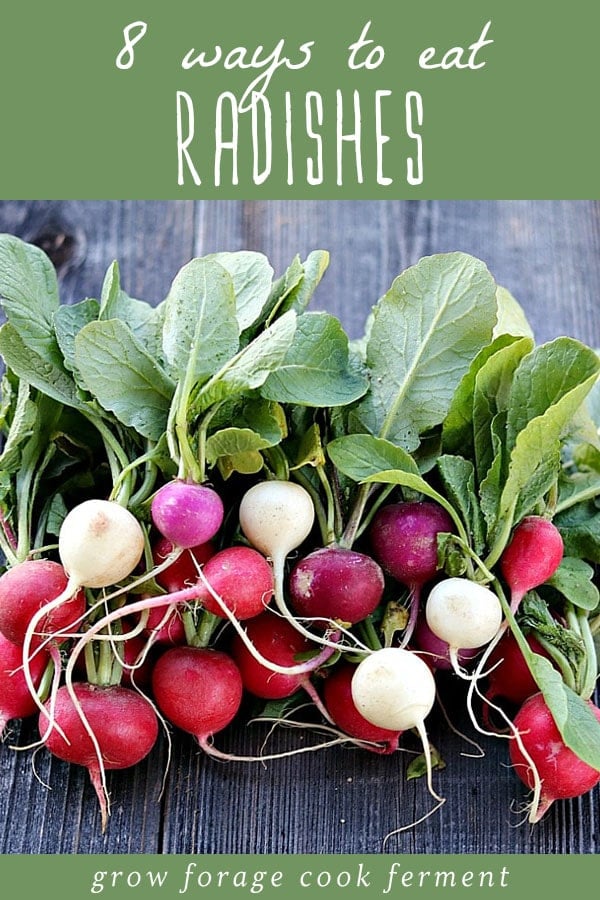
(509, 677)
(122, 722)
(533, 555)
(165, 625)
(187, 514)
(563, 775)
(336, 583)
(29, 586)
(183, 572)
(198, 690)
(337, 696)
(277, 641)
(16, 701)
(436, 652)
(137, 662)
(242, 578)
(404, 538)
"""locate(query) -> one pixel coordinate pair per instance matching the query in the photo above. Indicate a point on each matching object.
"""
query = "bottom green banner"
(224, 876)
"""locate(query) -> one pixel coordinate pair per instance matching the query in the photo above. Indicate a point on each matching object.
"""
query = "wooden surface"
(548, 255)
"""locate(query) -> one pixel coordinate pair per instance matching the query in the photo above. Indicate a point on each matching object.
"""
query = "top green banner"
(444, 99)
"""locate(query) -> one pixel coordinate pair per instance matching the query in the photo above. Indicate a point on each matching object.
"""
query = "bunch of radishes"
(249, 541)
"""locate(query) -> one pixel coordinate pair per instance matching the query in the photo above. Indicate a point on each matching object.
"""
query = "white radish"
(464, 613)
(276, 517)
(100, 543)
(395, 689)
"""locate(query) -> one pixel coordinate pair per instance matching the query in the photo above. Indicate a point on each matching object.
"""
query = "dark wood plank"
(547, 254)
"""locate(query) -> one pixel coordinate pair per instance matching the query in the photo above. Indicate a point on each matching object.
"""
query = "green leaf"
(549, 386)
(426, 332)
(458, 477)
(144, 320)
(457, 428)
(301, 292)
(491, 395)
(29, 292)
(21, 428)
(68, 322)
(233, 441)
(511, 316)
(250, 368)
(578, 727)
(574, 580)
(557, 374)
(123, 377)
(579, 526)
(200, 332)
(360, 456)
(251, 274)
(49, 378)
(315, 370)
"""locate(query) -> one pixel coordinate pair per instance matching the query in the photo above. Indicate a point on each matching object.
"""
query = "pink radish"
(404, 539)
(334, 583)
(25, 589)
(337, 696)
(533, 555)
(187, 514)
(198, 690)
(165, 625)
(121, 720)
(563, 775)
(16, 701)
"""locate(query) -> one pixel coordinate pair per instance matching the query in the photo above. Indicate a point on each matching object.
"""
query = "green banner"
(422, 876)
(317, 100)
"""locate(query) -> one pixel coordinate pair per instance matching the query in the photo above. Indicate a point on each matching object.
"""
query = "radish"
(187, 514)
(123, 724)
(436, 651)
(394, 688)
(404, 539)
(184, 570)
(16, 701)
(533, 555)
(28, 587)
(100, 543)
(509, 676)
(165, 625)
(336, 583)
(277, 517)
(198, 690)
(337, 696)
(464, 613)
(242, 578)
(277, 642)
(562, 774)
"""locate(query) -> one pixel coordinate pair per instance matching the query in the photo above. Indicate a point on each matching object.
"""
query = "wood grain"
(548, 255)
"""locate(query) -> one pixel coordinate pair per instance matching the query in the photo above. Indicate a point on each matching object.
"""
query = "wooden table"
(548, 255)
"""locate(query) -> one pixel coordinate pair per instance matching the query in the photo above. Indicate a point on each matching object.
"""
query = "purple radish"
(334, 583)
(404, 539)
